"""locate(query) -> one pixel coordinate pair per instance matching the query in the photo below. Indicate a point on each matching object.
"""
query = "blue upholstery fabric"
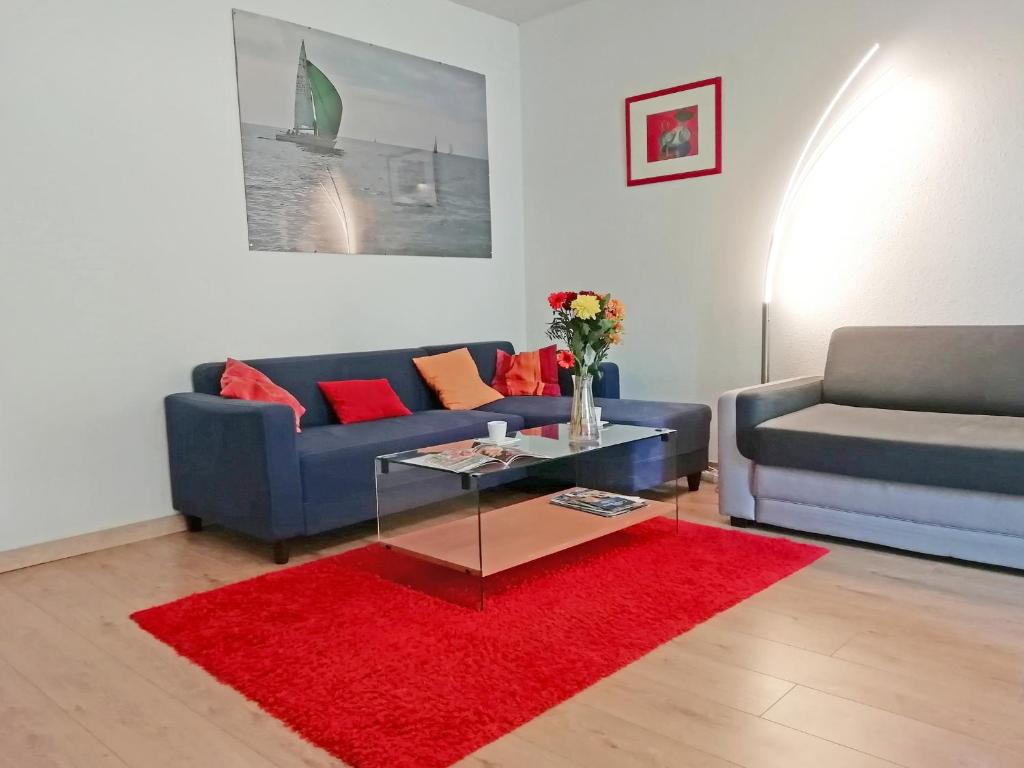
(234, 462)
(535, 411)
(300, 375)
(484, 354)
(337, 461)
(606, 386)
(241, 464)
(693, 422)
(632, 467)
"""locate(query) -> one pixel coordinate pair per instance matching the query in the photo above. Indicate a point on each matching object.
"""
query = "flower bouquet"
(589, 324)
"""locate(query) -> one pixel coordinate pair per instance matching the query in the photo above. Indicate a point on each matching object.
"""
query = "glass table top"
(543, 444)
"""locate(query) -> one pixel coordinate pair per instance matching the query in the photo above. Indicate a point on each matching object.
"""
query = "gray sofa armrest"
(739, 412)
(235, 462)
(758, 404)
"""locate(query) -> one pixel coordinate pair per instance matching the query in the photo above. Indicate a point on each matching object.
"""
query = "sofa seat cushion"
(692, 422)
(953, 450)
(337, 461)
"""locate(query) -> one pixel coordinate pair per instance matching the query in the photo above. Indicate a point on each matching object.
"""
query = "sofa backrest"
(484, 353)
(947, 369)
(300, 375)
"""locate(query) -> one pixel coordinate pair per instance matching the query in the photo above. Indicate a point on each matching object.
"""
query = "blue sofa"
(240, 464)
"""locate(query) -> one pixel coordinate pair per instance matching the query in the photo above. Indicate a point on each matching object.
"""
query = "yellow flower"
(586, 307)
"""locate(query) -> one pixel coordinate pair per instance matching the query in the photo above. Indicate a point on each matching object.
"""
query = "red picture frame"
(667, 130)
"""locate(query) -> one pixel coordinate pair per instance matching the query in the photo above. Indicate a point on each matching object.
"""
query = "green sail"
(326, 101)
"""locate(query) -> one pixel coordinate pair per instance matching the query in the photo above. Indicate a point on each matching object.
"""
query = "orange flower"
(565, 359)
(615, 308)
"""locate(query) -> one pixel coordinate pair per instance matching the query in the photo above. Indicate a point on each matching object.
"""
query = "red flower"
(561, 299)
(588, 293)
(565, 359)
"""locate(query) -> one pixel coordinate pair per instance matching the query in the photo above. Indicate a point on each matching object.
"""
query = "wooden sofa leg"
(282, 551)
(741, 522)
(693, 481)
(193, 523)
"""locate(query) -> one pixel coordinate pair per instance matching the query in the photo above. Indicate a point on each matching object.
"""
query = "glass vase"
(583, 424)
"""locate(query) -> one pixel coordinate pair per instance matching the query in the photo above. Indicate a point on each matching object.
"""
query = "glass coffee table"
(435, 505)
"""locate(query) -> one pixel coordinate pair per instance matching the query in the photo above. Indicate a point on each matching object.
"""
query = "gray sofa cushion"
(949, 369)
(980, 453)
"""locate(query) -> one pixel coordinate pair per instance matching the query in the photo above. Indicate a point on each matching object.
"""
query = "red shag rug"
(353, 656)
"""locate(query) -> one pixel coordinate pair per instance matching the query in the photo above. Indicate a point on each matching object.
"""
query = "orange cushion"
(455, 379)
(243, 382)
(358, 400)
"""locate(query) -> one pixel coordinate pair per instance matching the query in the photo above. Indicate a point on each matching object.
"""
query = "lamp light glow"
(769, 273)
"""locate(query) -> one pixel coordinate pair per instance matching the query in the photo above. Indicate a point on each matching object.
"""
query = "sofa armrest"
(235, 462)
(606, 386)
(758, 404)
(739, 412)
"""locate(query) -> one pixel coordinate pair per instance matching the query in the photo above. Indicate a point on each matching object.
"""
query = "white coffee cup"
(597, 410)
(496, 430)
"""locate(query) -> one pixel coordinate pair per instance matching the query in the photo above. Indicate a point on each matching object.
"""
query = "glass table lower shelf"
(490, 518)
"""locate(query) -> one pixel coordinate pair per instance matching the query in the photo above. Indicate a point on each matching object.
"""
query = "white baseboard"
(36, 554)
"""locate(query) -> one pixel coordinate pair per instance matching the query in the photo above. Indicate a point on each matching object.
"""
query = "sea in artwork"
(364, 197)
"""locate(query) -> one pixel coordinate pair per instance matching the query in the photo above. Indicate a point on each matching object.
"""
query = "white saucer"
(505, 441)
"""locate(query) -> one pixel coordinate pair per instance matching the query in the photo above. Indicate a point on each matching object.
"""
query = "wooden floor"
(866, 658)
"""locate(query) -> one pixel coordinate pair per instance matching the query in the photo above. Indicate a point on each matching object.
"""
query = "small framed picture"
(674, 133)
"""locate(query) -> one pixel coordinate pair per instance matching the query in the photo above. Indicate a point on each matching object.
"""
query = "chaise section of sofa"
(914, 438)
(241, 464)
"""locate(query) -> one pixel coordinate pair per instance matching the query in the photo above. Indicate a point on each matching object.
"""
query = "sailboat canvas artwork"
(348, 147)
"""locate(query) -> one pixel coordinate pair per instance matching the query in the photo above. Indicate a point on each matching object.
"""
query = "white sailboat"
(318, 107)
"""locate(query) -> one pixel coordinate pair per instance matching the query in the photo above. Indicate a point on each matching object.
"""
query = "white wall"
(123, 238)
(124, 250)
(914, 214)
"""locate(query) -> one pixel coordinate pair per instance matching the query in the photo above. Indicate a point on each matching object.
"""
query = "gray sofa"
(913, 438)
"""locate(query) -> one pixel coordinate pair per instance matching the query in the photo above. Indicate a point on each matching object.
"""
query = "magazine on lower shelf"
(598, 502)
(466, 459)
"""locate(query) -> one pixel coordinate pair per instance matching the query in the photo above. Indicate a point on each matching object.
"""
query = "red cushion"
(243, 382)
(363, 400)
(528, 373)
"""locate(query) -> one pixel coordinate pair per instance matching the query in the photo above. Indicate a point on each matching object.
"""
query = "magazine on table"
(466, 459)
(598, 502)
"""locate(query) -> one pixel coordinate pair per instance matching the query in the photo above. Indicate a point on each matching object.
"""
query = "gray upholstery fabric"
(759, 404)
(950, 369)
(951, 508)
(735, 471)
(982, 453)
(979, 546)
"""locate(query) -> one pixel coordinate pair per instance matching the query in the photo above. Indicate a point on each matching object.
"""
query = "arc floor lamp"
(787, 197)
